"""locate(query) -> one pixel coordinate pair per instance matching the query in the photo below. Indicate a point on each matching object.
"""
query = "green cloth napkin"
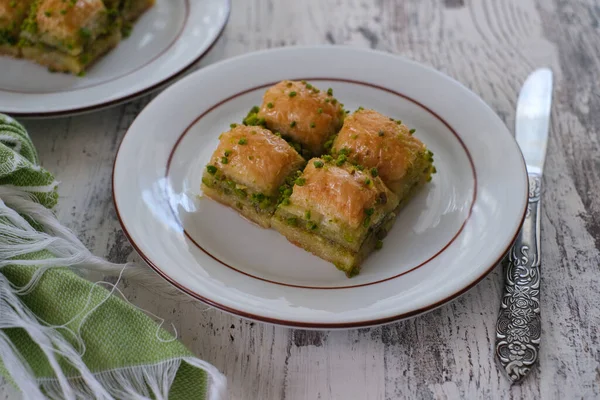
(62, 336)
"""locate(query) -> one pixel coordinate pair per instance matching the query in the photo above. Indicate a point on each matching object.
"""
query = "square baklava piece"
(337, 212)
(250, 171)
(12, 15)
(304, 115)
(69, 36)
(385, 148)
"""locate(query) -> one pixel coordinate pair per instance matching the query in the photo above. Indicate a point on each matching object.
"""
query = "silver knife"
(518, 329)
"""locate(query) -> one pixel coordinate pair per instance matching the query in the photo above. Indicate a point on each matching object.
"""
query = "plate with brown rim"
(167, 40)
(446, 239)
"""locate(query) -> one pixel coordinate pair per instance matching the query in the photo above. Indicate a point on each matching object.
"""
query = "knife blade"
(518, 328)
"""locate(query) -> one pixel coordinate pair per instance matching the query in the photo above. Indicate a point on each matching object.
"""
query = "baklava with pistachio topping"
(385, 148)
(248, 172)
(12, 15)
(68, 36)
(338, 212)
(302, 113)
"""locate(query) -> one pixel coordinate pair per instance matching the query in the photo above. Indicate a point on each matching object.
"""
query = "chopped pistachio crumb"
(243, 141)
(311, 225)
(327, 100)
(369, 211)
(307, 214)
(250, 158)
(309, 86)
(269, 105)
(227, 153)
(340, 160)
(303, 82)
(399, 121)
(379, 245)
(320, 111)
(292, 124)
(292, 94)
(381, 133)
(224, 160)
(232, 126)
(312, 125)
(367, 222)
(330, 92)
(328, 144)
(360, 167)
(285, 202)
(300, 181)
(211, 169)
(367, 181)
(345, 151)
(334, 101)
(374, 172)
(318, 164)
(293, 221)
(412, 131)
(327, 158)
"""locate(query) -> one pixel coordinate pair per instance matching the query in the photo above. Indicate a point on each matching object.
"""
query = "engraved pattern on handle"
(518, 328)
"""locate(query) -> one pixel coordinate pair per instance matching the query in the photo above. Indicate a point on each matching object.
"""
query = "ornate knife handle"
(518, 328)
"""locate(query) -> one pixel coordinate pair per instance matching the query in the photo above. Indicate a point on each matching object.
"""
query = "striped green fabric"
(117, 342)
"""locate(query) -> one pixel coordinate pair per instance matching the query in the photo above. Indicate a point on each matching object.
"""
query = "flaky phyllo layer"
(339, 205)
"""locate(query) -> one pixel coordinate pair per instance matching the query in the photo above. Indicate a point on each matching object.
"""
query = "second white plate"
(447, 239)
(167, 40)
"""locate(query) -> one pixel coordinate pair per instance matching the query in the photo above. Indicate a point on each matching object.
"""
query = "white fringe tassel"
(20, 238)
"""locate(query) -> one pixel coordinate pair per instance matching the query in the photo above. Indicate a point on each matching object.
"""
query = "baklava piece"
(303, 114)
(12, 15)
(337, 212)
(385, 148)
(68, 36)
(248, 171)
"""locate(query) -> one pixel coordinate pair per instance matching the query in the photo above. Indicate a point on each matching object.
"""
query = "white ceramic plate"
(446, 240)
(166, 41)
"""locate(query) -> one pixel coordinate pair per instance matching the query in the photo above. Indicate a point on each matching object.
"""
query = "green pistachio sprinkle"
(399, 122)
(300, 181)
(232, 126)
(277, 134)
(433, 170)
(369, 211)
(367, 181)
(311, 225)
(379, 245)
(309, 86)
(224, 160)
(227, 153)
(307, 214)
(391, 119)
(63, 12)
(320, 111)
(318, 164)
(250, 158)
(315, 90)
(345, 151)
(286, 202)
(292, 221)
(328, 144)
(312, 125)
(327, 158)
(381, 133)
(292, 124)
(412, 131)
(292, 94)
(243, 141)
(327, 100)
(340, 160)
(374, 172)
(367, 222)
(334, 101)
(48, 13)
(269, 105)
(211, 169)
(303, 82)
(360, 167)
(330, 92)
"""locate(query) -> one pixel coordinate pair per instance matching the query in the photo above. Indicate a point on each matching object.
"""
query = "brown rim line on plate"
(435, 115)
(309, 325)
(168, 80)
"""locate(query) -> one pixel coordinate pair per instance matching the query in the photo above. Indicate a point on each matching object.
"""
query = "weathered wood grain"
(488, 45)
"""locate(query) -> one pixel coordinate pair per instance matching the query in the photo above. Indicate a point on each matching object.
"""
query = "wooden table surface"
(488, 45)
